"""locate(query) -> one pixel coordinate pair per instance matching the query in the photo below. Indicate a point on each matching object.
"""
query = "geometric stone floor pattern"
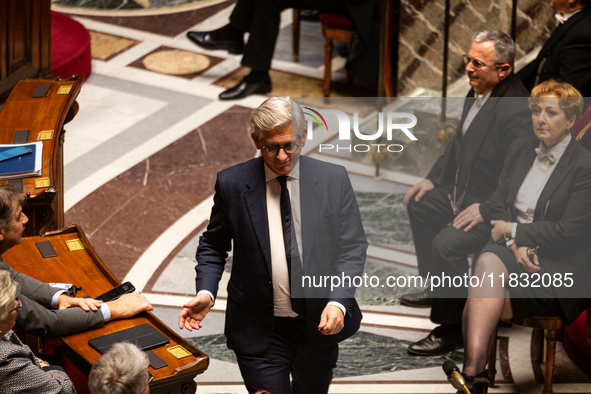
(140, 163)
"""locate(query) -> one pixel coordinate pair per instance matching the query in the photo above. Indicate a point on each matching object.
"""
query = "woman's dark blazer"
(562, 218)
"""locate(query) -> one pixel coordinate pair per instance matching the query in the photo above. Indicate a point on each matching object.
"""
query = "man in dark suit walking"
(274, 325)
(445, 209)
(566, 56)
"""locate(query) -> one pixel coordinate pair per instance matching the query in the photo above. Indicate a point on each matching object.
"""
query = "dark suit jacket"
(566, 55)
(562, 217)
(332, 240)
(478, 156)
(37, 316)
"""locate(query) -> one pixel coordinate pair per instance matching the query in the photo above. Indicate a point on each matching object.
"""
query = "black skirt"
(531, 294)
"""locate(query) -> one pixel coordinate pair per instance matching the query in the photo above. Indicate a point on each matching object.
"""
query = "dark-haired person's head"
(12, 218)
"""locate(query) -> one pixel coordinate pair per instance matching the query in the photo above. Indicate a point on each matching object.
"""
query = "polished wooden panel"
(85, 269)
(25, 42)
(44, 206)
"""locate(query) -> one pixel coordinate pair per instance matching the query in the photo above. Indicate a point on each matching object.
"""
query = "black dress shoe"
(476, 384)
(421, 299)
(210, 40)
(246, 87)
(441, 340)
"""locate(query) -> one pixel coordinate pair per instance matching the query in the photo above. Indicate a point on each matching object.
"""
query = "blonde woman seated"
(20, 370)
(541, 213)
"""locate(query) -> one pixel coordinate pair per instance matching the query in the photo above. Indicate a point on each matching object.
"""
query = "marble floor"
(140, 164)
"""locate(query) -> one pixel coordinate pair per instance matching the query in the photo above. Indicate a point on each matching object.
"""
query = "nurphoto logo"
(402, 121)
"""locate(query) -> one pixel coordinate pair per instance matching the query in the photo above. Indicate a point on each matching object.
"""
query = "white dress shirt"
(279, 270)
(479, 100)
(535, 181)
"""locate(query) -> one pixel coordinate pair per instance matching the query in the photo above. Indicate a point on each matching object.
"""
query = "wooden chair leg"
(295, 35)
(538, 342)
(327, 65)
(551, 336)
(492, 358)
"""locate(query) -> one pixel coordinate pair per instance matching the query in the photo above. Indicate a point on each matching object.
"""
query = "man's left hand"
(469, 218)
(332, 320)
(64, 301)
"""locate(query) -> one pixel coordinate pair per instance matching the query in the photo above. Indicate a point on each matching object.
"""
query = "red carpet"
(575, 343)
(70, 47)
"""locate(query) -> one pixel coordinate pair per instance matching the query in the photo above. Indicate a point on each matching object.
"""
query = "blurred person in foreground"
(541, 217)
(121, 370)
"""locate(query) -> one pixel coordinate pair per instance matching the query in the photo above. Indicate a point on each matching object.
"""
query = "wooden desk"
(44, 119)
(85, 269)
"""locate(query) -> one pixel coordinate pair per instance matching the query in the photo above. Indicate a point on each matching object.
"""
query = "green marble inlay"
(368, 295)
(101, 4)
(384, 218)
(123, 4)
(363, 354)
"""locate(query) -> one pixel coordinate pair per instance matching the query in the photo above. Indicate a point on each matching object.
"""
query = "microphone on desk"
(453, 372)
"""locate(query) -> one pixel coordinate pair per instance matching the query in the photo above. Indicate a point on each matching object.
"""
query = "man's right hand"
(420, 189)
(129, 305)
(194, 311)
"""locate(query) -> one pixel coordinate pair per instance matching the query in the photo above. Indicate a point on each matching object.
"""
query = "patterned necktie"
(291, 249)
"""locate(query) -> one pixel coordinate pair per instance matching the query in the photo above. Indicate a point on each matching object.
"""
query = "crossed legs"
(484, 308)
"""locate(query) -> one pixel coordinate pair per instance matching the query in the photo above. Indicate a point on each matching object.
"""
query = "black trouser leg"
(427, 218)
(450, 251)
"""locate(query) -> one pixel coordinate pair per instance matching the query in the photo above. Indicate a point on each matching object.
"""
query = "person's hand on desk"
(194, 311)
(332, 320)
(65, 301)
(129, 305)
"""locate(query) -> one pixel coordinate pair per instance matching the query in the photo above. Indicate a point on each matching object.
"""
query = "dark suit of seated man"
(46, 311)
(566, 56)
(272, 330)
(445, 209)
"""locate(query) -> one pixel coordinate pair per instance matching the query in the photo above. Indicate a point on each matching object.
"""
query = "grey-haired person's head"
(504, 45)
(8, 289)
(121, 370)
(278, 112)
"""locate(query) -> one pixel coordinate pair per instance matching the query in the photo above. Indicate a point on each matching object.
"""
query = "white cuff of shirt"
(339, 305)
(510, 242)
(57, 295)
(514, 231)
(104, 307)
(209, 294)
(106, 311)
